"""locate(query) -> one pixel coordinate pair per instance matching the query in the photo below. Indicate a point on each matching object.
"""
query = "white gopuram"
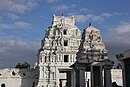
(58, 52)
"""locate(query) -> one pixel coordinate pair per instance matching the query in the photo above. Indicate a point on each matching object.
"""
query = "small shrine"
(92, 57)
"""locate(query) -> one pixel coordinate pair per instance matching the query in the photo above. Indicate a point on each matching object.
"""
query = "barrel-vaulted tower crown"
(92, 47)
(58, 20)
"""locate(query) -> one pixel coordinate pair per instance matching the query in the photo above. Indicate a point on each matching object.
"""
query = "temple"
(66, 59)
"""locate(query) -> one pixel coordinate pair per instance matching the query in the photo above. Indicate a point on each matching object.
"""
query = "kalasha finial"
(90, 24)
(62, 14)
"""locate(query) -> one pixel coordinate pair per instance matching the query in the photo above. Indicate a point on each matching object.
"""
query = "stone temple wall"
(18, 77)
(26, 78)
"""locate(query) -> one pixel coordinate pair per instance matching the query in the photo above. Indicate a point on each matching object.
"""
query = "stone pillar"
(127, 71)
(92, 80)
(41, 81)
(80, 78)
(73, 77)
(101, 77)
(57, 77)
(97, 76)
(77, 78)
(86, 79)
(41, 72)
(107, 77)
(123, 74)
(68, 78)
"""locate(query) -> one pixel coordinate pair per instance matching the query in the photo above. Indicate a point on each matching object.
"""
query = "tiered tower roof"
(92, 47)
(61, 41)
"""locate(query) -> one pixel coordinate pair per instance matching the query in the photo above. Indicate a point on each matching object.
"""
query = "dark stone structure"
(125, 59)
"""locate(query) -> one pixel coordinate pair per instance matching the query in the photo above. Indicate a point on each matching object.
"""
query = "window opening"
(65, 42)
(3, 85)
(66, 58)
(13, 73)
(65, 32)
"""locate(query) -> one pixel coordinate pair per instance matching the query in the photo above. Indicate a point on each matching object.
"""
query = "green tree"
(119, 56)
(24, 65)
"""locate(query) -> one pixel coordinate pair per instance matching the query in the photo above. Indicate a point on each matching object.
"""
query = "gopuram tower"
(92, 57)
(58, 52)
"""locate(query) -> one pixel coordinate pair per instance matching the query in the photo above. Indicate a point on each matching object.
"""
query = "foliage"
(24, 65)
(119, 56)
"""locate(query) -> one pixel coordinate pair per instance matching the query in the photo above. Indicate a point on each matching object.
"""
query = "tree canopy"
(24, 65)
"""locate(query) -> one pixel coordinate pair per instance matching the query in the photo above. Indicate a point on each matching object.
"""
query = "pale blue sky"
(23, 24)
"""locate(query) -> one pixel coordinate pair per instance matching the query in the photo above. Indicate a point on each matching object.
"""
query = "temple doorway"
(65, 78)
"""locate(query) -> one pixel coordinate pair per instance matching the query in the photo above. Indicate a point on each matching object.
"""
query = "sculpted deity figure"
(46, 42)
